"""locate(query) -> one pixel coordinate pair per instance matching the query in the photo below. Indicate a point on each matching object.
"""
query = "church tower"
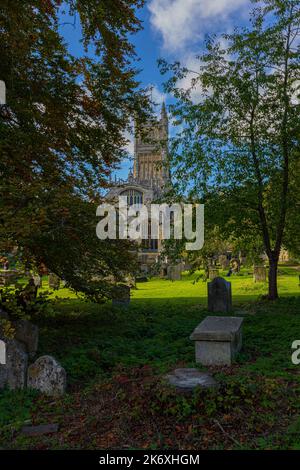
(150, 152)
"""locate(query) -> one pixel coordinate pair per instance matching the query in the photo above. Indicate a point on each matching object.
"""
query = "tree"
(241, 140)
(62, 130)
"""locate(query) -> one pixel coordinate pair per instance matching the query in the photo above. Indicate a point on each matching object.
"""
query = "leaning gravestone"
(47, 376)
(217, 340)
(259, 274)
(121, 296)
(28, 334)
(14, 372)
(219, 296)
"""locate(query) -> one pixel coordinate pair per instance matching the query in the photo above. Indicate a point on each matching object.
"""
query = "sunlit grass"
(194, 290)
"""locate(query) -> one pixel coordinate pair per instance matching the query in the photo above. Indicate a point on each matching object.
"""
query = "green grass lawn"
(116, 358)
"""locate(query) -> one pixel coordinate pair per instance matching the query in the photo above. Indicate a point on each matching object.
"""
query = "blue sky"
(174, 30)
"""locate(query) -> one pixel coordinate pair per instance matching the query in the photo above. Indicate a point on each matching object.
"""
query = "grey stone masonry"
(217, 340)
(219, 296)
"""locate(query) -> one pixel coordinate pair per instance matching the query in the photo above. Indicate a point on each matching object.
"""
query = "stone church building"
(149, 178)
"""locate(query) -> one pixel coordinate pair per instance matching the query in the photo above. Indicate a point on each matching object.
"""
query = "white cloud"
(192, 64)
(129, 147)
(158, 97)
(184, 22)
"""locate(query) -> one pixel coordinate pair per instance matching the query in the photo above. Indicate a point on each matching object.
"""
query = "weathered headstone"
(2, 93)
(212, 273)
(224, 262)
(217, 340)
(219, 296)
(235, 265)
(121, 296)
(259, 274)
(14, 372)
(186, 380)
(28, 334)
(54, 281)
(37, 281)
(47, 376)
(2, 352)
(174, 272)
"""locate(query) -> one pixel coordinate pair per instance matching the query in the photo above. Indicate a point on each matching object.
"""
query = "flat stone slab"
(188, 379)
(217, 329)
(40, 430)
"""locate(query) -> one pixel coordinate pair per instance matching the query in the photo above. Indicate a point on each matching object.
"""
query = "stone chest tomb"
(217, 340)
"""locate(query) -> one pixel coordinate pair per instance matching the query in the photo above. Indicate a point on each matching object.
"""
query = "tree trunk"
(273, 291)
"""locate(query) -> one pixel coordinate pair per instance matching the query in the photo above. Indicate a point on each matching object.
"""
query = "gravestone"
(212, 273)
(235, 265)
(186, 380)
(37, 281)
(121, 296)
(47, 376)
(2, 352)
(174, 272)
(54, 281)
(217, 340)
(219, 296)
(28, 334)
(13, 373)
(259, 274)
(2, 93)
(224, 262)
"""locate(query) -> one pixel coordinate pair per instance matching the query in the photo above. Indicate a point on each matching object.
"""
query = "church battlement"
(150, 152)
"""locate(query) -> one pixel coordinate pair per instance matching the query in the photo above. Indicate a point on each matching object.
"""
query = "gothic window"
(133, 196)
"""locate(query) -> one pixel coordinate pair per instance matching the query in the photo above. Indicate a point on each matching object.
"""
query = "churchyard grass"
(115, 359)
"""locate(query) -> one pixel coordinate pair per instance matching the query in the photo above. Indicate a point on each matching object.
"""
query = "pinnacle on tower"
(164, 115)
